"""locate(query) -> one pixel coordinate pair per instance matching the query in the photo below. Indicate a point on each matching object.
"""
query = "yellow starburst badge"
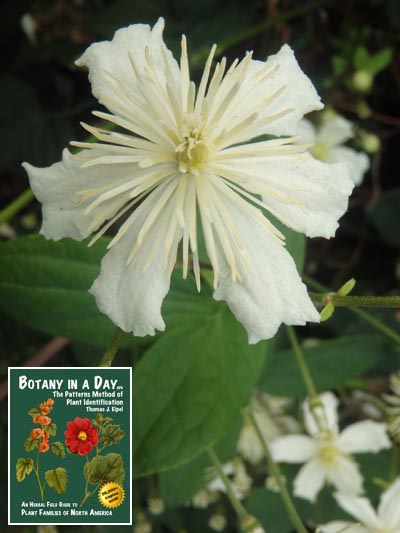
(111, 495)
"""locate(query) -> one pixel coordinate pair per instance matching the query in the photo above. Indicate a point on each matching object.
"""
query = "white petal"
(310, 480)
(56, 187)
(345, 476)
(273, 292)
(321, 196)
(327, 414)
(360, 508)
(299, 94)
(306, 132)
(293, 449)
(131, 295)
(358, 162)
(335, 131)
(389, 507)
(363, 437)
(338, 526)
(128, 44)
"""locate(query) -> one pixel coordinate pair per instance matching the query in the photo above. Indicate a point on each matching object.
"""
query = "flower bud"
(362, 81)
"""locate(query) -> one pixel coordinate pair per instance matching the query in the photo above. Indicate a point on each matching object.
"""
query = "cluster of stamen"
(192, 151)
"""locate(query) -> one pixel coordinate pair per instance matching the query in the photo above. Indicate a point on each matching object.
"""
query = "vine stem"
(16, 206)
(38, 476)
(298, 353)
(355, 301)
(377, 324)
(240, 510)
(274, 468)
(112, 349)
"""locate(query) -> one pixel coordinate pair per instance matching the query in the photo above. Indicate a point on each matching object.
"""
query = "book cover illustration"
(70, 446)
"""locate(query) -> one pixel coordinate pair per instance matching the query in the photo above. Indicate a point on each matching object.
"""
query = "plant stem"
(38, 476)
(376, 323)
(356, 301)
(112, 348)
(273, 467)
(394, 459)
(16, 206)
(240, 510)
(305, 374)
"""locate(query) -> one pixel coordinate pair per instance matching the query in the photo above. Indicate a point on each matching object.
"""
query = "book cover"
(70, 445)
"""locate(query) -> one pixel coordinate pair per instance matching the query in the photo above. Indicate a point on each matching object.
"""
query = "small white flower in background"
(236, 473)
(386, 519)
(326, 452)
(272, 484)
(203, 498)
(328, 140)
(141, 524)
(269, 414)
(217, 522)
(185, 151)
(393, 408)
(156, 506)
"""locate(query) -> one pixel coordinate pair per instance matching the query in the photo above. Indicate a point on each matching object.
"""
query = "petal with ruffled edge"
(363, 437)
(305, 194)
(293, 449)
(131, 293)
(335, 131)
(271, 292)
(358, 162)
(327, 413)
(310, 480)
(360, 508)
(339, 526)
(58, 186)
(345, 476)
(389, 508)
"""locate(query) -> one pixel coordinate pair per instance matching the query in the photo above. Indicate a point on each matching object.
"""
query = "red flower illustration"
(81, 436)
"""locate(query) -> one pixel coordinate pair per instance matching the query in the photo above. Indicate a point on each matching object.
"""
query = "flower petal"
(334, 131)
(272, 292)
(310, 480)
(293, 449)
(389, 508)
(320, 197)
(338, 526)
(327, 413)
(57, 188)
(358, 162)
(345, 476)
(363, 437)
(131, 294)
(299, 93)
(360, 508)
(306, 131)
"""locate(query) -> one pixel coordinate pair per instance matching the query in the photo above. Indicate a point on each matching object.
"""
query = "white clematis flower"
(328, 140)
(185, 151)
(385, 520)
(326, 452)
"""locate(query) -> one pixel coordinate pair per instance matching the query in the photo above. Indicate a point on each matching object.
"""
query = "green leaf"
(191, 384)
(330, 363)
(51, 429)
(385, 216)
(44, 284)
(33, 412)
(58, 449)
(57, 479)
(295, 243)
(103, 468)
(361, 58)
(30, 444)
(379, 61)
(101, 420)
(112, 434)
(24, 467)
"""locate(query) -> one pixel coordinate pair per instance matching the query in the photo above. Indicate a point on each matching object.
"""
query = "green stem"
(38, 476)
(355, 301)
(273, 467)
(394, 459)
(16, 206)
(270, 23)
(377, 324)
(112, 349)
(240, 510)
(305, 374)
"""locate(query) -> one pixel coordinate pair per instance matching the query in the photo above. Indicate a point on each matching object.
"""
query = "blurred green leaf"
(190, 385)
(361, 58)
(330, 363)
(379, 61)
(385, 215)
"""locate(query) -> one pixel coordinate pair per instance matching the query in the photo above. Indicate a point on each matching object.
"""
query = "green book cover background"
(24, 495)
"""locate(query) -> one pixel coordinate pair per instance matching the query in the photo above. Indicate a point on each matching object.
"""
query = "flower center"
(321, 151)
(82, 435)
(192, 151)
(329, 453)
